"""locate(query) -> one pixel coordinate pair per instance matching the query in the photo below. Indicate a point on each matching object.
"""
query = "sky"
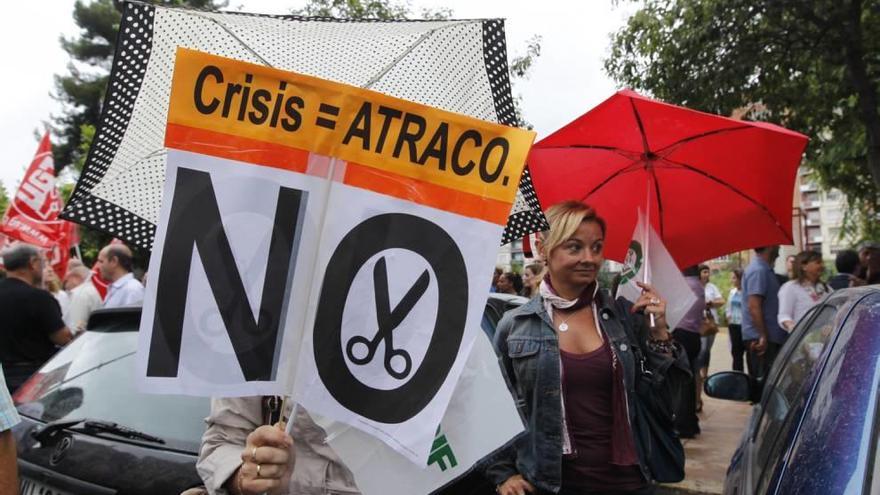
(565, 81)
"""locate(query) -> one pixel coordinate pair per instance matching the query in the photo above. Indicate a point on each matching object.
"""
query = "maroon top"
(588, 391)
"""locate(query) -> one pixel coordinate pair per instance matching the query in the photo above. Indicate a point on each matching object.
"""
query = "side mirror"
(732, 385)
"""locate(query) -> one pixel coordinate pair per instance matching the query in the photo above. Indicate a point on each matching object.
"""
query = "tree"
(81, 90)
(810, 66)
(367, 9)
(520, 65)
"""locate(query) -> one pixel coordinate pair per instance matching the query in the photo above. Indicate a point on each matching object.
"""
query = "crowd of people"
(42, 311)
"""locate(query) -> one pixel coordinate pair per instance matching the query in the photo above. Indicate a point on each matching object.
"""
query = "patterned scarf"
(553, 300)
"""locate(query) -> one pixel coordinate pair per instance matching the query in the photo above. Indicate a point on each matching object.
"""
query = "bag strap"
(635, 340)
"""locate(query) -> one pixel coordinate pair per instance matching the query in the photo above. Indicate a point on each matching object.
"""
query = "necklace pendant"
(563, 327)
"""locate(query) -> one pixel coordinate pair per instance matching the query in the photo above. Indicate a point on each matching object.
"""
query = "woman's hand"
(515, 485)
(651, 303)
(267, 462)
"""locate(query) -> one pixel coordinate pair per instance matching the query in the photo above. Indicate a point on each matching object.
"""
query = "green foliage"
(810, 66)
(81, 92)
(368, 9)
(87, 135)
(81, 89)
(4, 199)
(721, 279)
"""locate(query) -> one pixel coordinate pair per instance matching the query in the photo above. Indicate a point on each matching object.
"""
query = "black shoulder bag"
(657, 391)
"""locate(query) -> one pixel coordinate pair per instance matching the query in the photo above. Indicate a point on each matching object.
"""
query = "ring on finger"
(258, 470)
(654, 300)
(254, 455)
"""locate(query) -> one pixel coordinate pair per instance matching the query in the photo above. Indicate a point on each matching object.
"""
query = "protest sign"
(647, 260)
(315, 227)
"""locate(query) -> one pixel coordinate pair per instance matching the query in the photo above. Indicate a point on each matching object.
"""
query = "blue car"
(815, 424)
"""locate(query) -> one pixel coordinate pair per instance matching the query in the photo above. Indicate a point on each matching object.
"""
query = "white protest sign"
(218, 308)
(401, 301)
(325, 240)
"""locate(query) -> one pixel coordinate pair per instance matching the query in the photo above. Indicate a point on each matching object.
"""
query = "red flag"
(32, 216)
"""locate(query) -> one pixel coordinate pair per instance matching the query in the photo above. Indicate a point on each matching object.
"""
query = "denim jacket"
(528, 349)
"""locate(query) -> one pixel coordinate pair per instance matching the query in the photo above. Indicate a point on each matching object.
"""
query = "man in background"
(32, 326)
(687, 334)
(76, 276)
(762, 335)
(115, 264)
(84, 299)
(847, 264)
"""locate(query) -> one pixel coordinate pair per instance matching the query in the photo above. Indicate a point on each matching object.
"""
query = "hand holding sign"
(388, 320)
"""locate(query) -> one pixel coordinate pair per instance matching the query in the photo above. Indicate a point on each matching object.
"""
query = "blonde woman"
(570, 359)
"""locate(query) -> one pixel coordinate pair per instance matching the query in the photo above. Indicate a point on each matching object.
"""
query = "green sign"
(441, 453)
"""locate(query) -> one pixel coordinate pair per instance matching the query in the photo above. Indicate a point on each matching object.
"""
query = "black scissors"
(388, 320)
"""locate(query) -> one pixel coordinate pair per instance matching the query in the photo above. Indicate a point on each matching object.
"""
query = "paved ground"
(722, 423)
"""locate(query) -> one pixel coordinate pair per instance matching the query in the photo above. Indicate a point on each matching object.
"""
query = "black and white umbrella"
(455, 65)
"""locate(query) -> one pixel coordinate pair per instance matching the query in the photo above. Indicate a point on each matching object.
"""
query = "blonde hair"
(51, 281)
(565, 218)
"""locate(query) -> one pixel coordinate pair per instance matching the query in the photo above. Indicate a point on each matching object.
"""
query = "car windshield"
(94, 377)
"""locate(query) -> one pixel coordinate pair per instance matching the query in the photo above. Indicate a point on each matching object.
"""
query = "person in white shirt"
(734, 311)
(84, 298)
(797, 296)
(115, 263)
(714, 300)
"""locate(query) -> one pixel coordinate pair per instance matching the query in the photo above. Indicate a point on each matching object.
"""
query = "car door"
(782, 401)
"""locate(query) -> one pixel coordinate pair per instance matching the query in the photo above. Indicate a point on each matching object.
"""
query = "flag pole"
(331, 173)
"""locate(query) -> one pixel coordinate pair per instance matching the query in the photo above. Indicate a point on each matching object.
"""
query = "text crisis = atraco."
(377, 128)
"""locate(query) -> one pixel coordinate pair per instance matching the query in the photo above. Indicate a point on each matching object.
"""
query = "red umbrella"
(712, 185)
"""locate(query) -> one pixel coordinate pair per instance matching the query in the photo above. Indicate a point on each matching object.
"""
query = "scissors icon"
(388, 320)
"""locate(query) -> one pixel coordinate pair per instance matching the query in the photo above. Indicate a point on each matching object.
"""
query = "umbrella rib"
(659, 200)
(641, 126)
(735, 190)
(623, 170)
(235, 37)
(624, 153)
(670, 148)
(379, 75)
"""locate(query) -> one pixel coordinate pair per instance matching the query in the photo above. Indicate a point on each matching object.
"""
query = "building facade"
(823, 214)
